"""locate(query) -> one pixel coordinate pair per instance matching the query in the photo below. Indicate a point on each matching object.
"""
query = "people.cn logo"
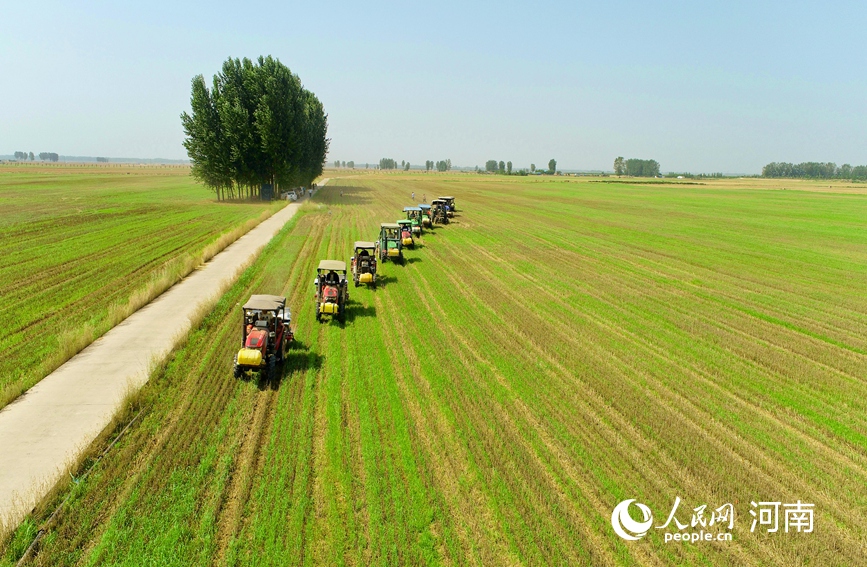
(625, 526)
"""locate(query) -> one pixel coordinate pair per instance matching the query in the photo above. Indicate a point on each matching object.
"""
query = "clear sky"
(699, 86)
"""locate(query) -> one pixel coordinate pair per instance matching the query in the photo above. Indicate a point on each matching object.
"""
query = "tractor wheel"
(318, 314)
(272, 368)
(236, 371)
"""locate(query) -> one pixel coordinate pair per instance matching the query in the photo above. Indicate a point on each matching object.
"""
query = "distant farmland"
(84, 245)
(561, 347)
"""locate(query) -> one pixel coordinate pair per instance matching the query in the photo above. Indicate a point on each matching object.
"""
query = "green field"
(83, 247)
(562, 346)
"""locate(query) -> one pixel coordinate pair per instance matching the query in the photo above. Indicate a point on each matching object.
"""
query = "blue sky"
(698, 86)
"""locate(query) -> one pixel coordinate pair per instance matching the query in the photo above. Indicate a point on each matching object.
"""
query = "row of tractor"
(266, 331)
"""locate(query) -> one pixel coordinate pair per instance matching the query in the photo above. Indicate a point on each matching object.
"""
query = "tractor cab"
(332, 290)
(390, 246)
(425, 216)
(450, 205)
(438, 212)
(363, 264)
(265, 335)
(414, 215)
(406, 233)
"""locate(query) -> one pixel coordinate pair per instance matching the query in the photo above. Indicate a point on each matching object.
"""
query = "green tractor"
(414, 214)
(332, 290)
(364, 264)
(406, 233)
(450, 205)
(389, 246)
(438, 212)
(426, 221)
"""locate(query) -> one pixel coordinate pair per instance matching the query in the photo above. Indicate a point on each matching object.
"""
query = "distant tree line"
(505, 167)
(256, 125)
(387, 163)
(102, 160)
(815, 170)
(48, 156)
(636, 167)
(442, 165)
(24, 155)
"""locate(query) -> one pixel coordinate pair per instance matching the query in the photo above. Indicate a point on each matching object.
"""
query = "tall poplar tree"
(257, 124)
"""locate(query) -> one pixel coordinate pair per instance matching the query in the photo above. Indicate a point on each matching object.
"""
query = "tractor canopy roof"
(405, 209)
(437, 202)
(404, 221)
(424, 207)
(362, 245)
(447, 198)
(332, 265)
(265, 302)
(389, 225)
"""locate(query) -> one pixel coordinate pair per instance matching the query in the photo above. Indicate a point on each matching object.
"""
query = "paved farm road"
(56, 419)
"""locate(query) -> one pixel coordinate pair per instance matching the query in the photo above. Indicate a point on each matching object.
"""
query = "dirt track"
(54, 421)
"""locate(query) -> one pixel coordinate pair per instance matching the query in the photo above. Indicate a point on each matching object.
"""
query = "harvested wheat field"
(562, 346)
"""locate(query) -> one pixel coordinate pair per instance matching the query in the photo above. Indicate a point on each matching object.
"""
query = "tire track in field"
(243, 472)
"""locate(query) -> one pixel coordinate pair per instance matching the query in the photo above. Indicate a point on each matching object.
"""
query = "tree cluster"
(815, 170)
(444, 165)
(636, 167)
(501, 167)
(387, 163)
(102, 160)
(48, 156)
(25, 155)
(256, 125)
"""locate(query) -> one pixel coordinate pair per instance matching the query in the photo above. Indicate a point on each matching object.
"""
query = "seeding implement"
(265, 334)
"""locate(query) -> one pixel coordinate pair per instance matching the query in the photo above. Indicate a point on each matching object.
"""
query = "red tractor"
(265, 334)
(332, 291)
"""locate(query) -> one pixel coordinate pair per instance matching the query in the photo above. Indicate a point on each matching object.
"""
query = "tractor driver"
(332, 278)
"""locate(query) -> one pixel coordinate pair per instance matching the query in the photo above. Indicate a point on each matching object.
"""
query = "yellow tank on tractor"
(332, 290)
(426, 221)
(406, 233)
(390, 245)
(363, 264)
(414, 214)
(265, 336)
